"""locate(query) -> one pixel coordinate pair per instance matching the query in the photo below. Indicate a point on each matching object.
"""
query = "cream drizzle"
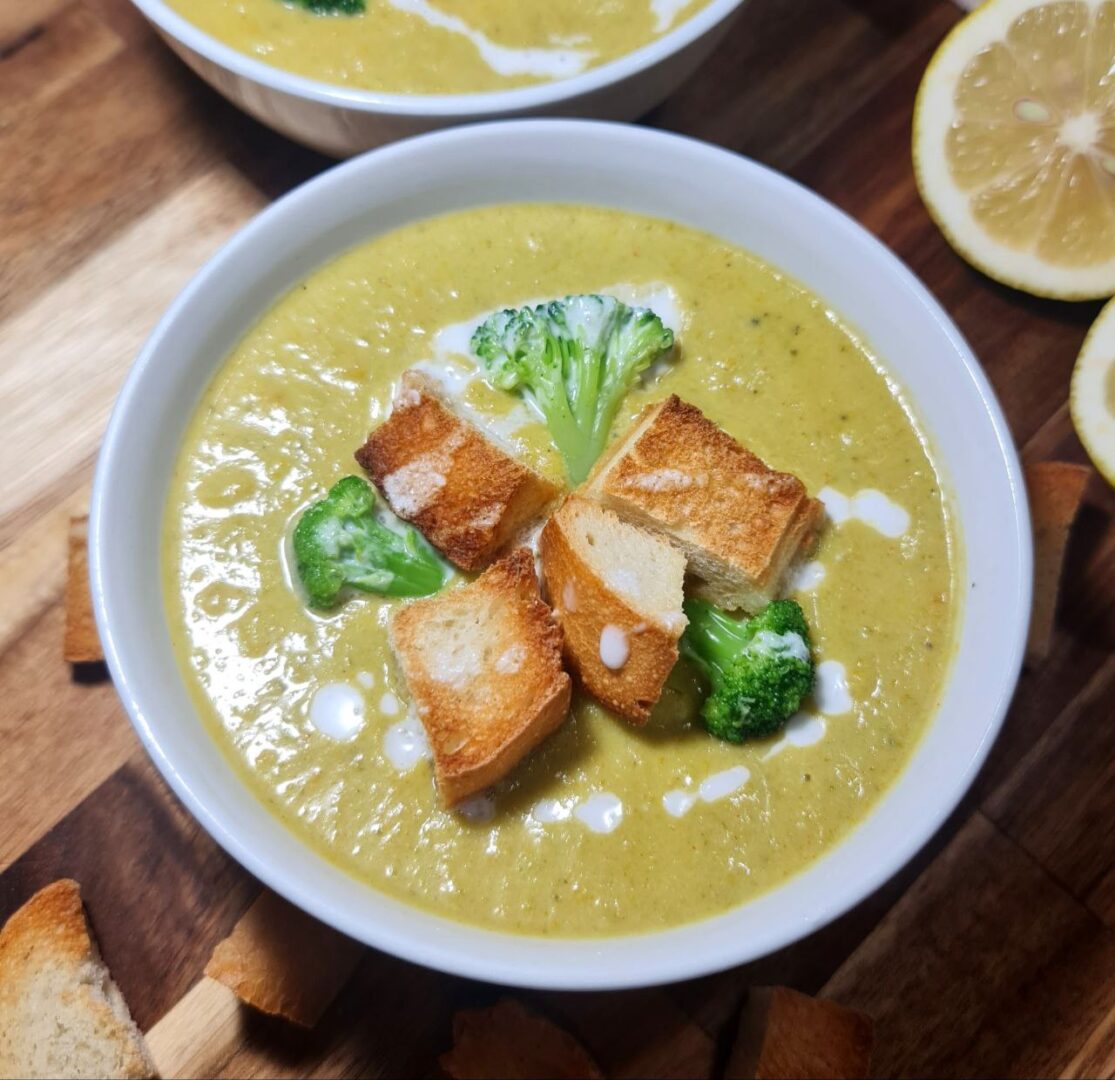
(601, 813)
(869, 506)
(803, 729)
(405, 744)
(541, 63)
(678, 802)
(337, 710)
(830, 688)
(805, 577)
(614, 647)
(665, 12)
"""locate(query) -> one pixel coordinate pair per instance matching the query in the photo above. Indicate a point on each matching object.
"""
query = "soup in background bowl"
(437, 46)
(797, 333)
(345, 82)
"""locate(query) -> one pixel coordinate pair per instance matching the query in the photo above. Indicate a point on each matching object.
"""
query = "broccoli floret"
(576, 358)
(339, 542)
(759, 669)
(333, 7)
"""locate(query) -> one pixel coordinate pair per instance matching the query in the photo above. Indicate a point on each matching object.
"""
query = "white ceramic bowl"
(638, 170)
(342, 121)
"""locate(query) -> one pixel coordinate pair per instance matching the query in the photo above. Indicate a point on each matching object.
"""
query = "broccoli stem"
(759, 669)
(714, 638)
(576, 358)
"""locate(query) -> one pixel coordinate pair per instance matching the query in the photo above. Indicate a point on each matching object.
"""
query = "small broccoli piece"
(333, 7)
(759, 669)
(576, 358)
(339, 542)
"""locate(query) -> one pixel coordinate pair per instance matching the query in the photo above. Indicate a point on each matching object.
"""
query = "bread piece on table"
(82, 643)
(740, 523)
(507, 1041)
(787, 1035)
(483, 666)
(61, 1015)
(617, 592)
(468, 497)
(1056, 490)
(284, 962)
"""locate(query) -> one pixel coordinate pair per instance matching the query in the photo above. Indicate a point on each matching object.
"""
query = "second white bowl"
(341, 121)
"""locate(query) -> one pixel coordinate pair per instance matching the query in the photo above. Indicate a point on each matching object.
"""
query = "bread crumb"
(414, 486)
(668, 480)
(511, 660)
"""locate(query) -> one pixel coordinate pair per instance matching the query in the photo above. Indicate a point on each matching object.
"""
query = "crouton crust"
(585, 605)
(468, 497)
(1056, 490)
(60, 1012)
(740, 523)
(81, 643)
(284, 962)
(483, 667)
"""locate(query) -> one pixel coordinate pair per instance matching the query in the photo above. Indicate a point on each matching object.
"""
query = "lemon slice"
(1092, 399)
(1014, 144)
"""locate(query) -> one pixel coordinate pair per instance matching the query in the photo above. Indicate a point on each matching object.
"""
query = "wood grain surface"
(992, 954)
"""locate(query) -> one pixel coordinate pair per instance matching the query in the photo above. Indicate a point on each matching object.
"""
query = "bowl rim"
(459, 948)
(471, 104)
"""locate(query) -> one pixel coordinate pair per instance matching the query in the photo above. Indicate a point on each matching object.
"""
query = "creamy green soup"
(439, 46)
(607, 828)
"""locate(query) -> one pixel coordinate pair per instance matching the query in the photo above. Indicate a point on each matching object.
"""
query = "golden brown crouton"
(82, 643)
(61, 1015)
(617, 593)
(740, 523)
(506, 1040)
(786, 1034)
(467, 496)
(1056, 490)
(483, 666)
(284, 962)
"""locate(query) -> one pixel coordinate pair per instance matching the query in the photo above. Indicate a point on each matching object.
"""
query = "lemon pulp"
(1034, 136)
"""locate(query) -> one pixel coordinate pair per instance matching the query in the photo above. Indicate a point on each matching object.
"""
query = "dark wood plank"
(1084, 641)
(986, 967)
(1060, 803)
(392, 1019)
(159, 892)
(788, 75)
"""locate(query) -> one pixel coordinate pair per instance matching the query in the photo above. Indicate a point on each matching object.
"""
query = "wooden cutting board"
(993, 954)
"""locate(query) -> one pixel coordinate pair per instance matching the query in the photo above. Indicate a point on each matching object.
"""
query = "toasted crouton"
(783, 1033)
(466, 495)
(740, 523)
(81, 644)
(284, 962)
(483, 667)
(1056, 490)
(617, 593)
(507, 1040)
(61, 1015)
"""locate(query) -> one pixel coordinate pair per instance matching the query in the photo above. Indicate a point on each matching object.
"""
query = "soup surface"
(439, 46)
(607, 828)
